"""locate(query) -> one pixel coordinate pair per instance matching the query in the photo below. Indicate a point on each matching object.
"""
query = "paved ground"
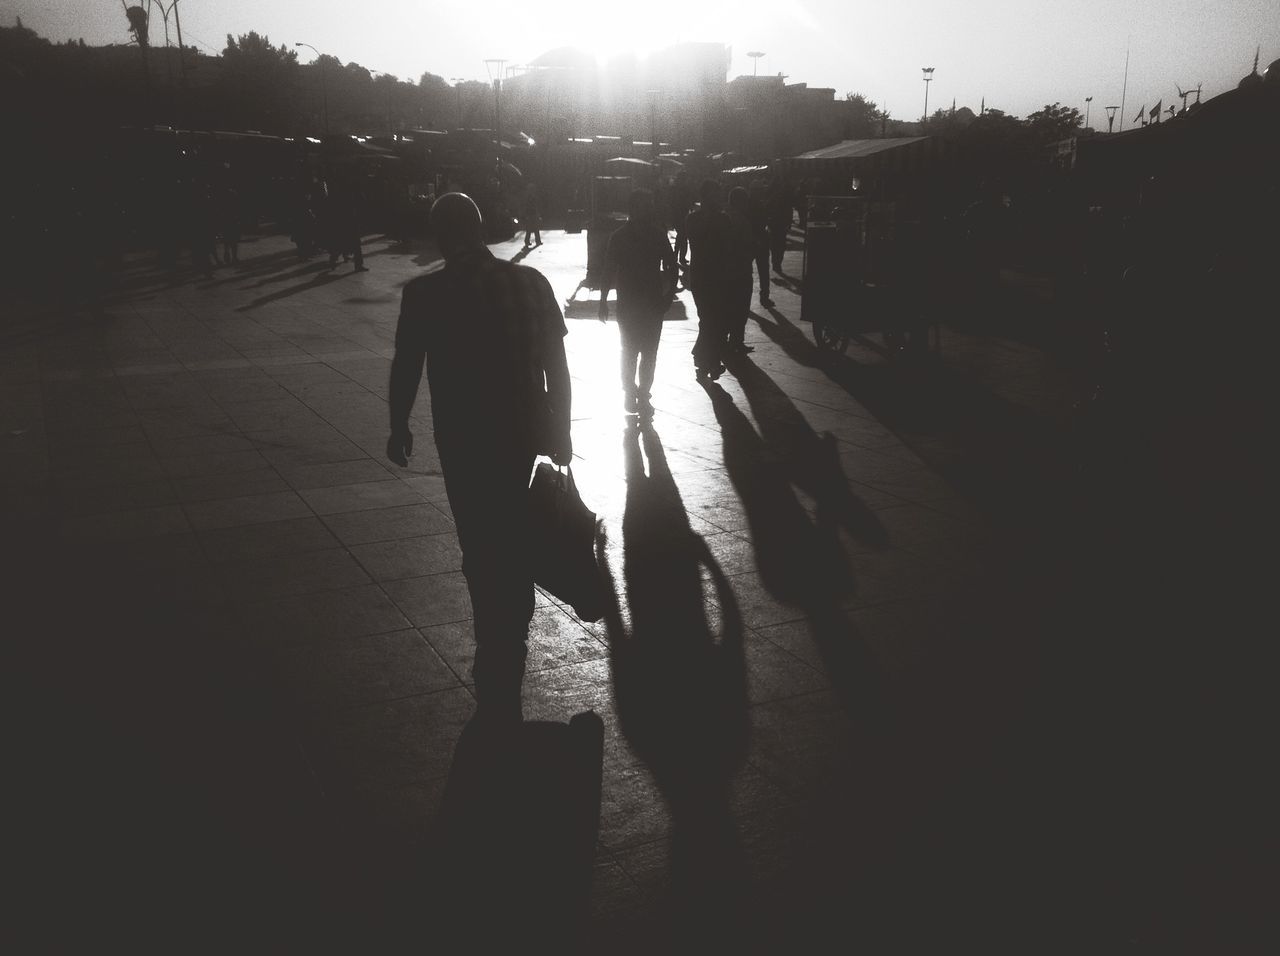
(243, 643)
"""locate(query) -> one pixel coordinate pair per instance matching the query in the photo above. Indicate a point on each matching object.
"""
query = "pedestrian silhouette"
(492, 337)
(531, 216)
(710, 246)
(742, 257)
(641, 265)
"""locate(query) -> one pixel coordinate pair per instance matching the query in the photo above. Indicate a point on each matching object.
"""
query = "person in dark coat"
(531, 216)
(641, 265)
(779, 213)
(710, 250)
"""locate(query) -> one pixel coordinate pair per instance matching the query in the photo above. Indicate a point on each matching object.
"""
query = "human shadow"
(812, 461)
(321, 279)
(521, 254)
(800, 559)
(517, 837)
(680, 687)
(1009, 460)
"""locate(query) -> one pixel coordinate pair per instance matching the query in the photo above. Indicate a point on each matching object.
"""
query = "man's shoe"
(766, 301)
(361, 269)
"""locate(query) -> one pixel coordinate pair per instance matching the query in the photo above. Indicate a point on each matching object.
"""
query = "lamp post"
(324, 93)
(653, 120)
(1111, 117)
(755, 57)
(495, 66)
(1087, 101)
(928, 78)
(457, 82)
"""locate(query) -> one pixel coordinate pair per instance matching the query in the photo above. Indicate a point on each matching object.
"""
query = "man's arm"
(607, 278)
(556, 367)
(406, 375)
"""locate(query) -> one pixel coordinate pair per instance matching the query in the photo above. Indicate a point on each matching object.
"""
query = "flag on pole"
(1155, 110)
(1141, 114)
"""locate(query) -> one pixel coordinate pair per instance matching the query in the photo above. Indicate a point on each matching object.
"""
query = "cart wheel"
(829, 339)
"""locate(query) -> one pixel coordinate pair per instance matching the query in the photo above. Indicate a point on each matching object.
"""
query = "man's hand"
(400, 447)
(603, 314)
(561, 450)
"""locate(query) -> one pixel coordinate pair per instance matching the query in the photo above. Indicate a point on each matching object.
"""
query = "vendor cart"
(861, 275)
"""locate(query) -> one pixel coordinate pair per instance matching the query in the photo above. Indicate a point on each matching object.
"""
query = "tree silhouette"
(1053, 123)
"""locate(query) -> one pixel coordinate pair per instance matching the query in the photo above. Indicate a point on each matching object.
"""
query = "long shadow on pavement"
(680, 684)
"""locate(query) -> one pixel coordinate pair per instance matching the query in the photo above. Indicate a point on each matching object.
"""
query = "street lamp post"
(1087, 101)
(1111, 117)
(928, 78)
(755, 57)
(653, 120)
(457, 82)
(324, 93)
(493, 66)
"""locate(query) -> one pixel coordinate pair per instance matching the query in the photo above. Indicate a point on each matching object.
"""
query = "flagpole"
(1125, 88)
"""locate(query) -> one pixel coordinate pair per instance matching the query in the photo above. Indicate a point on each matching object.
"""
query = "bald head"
(455, 222)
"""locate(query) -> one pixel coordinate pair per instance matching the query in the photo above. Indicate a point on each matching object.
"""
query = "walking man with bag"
(492, 336)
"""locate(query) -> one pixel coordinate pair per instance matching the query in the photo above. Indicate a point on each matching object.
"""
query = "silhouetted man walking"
(641, 265)
(710, 244)
(492, 336)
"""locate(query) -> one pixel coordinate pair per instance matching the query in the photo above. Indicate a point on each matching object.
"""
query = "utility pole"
(928, 78)
(1087, 100)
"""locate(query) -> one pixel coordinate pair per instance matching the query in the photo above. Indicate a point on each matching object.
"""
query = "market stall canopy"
(629, 162)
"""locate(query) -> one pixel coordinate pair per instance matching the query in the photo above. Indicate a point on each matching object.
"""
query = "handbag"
(562, 542)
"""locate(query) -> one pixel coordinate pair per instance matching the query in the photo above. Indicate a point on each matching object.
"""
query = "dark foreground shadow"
(517, 840)
(680, 685)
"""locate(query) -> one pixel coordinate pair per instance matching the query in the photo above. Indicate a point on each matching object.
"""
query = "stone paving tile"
(389, 744)
(234, 484)
(330, 474)
(410, 557)
(388, 524)
(123, 525)
(364, 496)
(432, 599)
(336, 675)
(300, 572)
(127, 497)
(249, 509)
(350, 612)
(289, 450)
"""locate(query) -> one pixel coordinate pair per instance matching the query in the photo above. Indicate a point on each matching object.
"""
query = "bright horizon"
(1049, 51)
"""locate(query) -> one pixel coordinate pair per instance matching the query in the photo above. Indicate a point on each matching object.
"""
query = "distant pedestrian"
(641, 265)
(201, 228)
(710, 248)
(759, 216)
(531, 216)
(343, 214)
(742, 257)
(228, 213)
(779, 214)
(680, 199)
(492, 337)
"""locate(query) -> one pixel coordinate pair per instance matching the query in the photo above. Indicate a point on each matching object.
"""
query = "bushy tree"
(863, 119)
(1053, 123)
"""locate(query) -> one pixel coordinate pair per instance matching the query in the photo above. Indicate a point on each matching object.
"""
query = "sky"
(1018, 55)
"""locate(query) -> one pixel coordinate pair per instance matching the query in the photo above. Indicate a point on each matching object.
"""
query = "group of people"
(490, 334)
(726, 248)
(329, 218)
